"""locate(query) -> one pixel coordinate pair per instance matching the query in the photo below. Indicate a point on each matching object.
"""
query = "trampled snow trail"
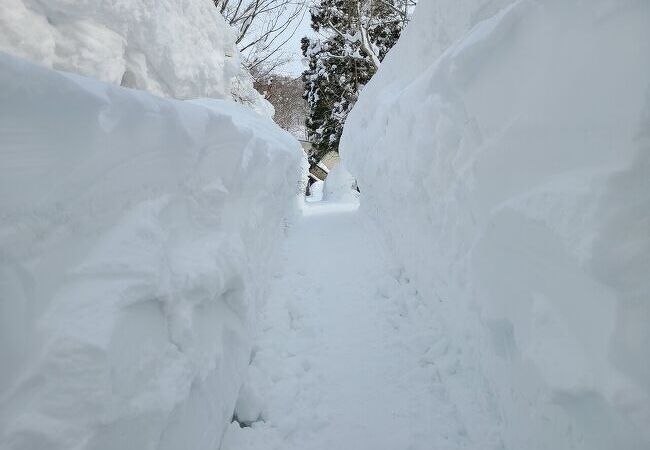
(350, 357)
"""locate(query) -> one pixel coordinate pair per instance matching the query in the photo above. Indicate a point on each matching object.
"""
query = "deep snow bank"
(504, 147)
(135, 239)
(175, 48)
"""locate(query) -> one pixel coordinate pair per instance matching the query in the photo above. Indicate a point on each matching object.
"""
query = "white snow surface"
(339, 186)
(176, 48)
(315, 192)
(136, 238)
(350, 356)
(504, 150)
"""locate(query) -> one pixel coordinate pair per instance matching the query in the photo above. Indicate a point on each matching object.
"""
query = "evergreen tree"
(355, 35)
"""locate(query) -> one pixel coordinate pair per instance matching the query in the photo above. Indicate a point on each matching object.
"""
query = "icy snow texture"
(135, 239)
(175, 48)
(504, 147)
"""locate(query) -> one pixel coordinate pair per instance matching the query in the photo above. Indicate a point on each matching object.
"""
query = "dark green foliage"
(338, 65)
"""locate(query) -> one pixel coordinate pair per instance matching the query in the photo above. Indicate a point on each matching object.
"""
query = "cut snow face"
(135, 235)
(504, 149)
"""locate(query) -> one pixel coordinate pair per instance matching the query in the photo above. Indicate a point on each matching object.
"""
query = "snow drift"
(504, 148)
(135, 239)
(175, 48)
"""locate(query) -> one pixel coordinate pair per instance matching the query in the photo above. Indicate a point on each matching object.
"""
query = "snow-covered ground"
(350, 356)
(136, 237)
(491, 293)
(175, 48)
(504, 150)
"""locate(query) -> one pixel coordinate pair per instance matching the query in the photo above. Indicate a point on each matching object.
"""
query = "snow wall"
(174, 48)
(504, 148)
(135, 238)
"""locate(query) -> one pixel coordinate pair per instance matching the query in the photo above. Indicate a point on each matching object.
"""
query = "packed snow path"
(349, 356)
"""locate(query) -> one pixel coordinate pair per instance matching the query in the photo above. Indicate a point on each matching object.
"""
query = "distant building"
(331, 160)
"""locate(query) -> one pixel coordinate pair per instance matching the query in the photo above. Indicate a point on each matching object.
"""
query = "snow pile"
(176, 48)
(135, 240)
(504, 148)
(340, 186)
(315, 192)
(242, 91)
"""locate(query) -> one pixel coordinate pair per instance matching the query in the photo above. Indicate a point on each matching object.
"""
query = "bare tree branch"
(262, 26)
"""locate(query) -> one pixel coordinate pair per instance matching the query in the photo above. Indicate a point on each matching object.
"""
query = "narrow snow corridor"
(357, 361)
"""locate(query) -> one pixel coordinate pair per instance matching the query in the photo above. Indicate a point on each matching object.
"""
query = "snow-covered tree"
(353, 38)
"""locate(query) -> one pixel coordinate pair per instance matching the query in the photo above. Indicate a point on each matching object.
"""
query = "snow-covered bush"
(175, 48)
(135, 240)
(504, 147)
